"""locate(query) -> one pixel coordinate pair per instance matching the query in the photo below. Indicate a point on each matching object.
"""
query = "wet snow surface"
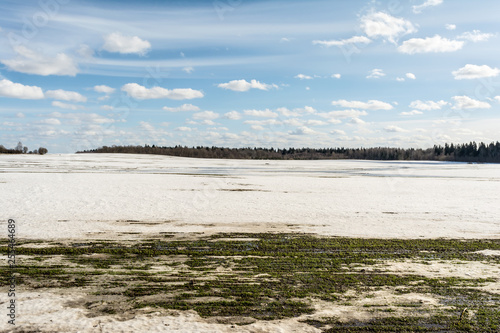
(115, 196)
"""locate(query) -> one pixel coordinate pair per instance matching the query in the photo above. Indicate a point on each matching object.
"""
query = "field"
(127, 243)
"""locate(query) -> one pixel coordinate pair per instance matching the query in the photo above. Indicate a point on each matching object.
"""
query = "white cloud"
(261, 113)
(303, 77)
(357, 121)
(257, 127)
(430, 44)
(104, 89)
(233, 115)
(107, 107)
(286, 112)
(139, 92)
(116, 42)
(337, 132)
(427, 105)
(67, 106)
(20, 115)
(293, 122)
(497, 98)
(375, 74)
(342, 42)
(315, 122)
(85, 51)
(475, 36)
(50, 121)
(411, 113)
(450, 26)
(184, 129)
(370, 105)
(31, 62)
(208, 122)
(343, 114)
(303, 130)
(465, 102)
(243, 85)
(265, 122)
(411, 76)
(475, 72)
(305, 109)
(63, 95)
(336, 76)
(394, 129)
(400, 79)
(183, 107)
(188, 69)
(205, 115)
(383, 25)
(18, 90)
(83, 118)
(428, 3)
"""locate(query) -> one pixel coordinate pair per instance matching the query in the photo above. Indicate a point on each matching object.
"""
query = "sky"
(79, 75)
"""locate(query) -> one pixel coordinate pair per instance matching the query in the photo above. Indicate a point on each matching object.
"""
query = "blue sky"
(81, 74)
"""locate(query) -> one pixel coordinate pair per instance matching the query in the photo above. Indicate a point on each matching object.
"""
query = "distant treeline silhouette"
(468, 152)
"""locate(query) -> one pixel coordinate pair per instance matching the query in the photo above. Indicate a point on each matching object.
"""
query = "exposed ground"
(258, 283)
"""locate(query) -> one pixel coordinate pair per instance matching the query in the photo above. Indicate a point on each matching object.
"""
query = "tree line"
(20, 149)
(467, 152)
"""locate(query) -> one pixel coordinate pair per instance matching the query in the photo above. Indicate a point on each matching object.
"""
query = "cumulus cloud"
(233, 115)
(475, 36)
(116, 42)
(469, 72)
(357, 121)
(394, 129)
(188, 69)
(343, 114)
(206, 115)
(303, 77)
(107, 107)
(243, 85)
(104, 89)
(30, 62)
(67, 106)
(411, 76)
(50, 121)
(336, 76)
(337, 132)
(375, 73)
(183, 107)
(139, 92)
(261, 113)
(184, 129)
(429, 3)
(303, 130)
(465, 102)
(450, 26)
(436, 44)
(265, 122)
(17, 90)
(63, 95)
(342, 42)
(411, 113)
(427, 105)
(315, 122)
(380, 24)
(370, 105)
(306, 109)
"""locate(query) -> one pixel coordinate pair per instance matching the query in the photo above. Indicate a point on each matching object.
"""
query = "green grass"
(269, 276)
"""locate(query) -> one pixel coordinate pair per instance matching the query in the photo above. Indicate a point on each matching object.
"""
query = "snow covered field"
(115, 196)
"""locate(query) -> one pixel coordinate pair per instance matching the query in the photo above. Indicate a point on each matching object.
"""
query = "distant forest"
(468, 152)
